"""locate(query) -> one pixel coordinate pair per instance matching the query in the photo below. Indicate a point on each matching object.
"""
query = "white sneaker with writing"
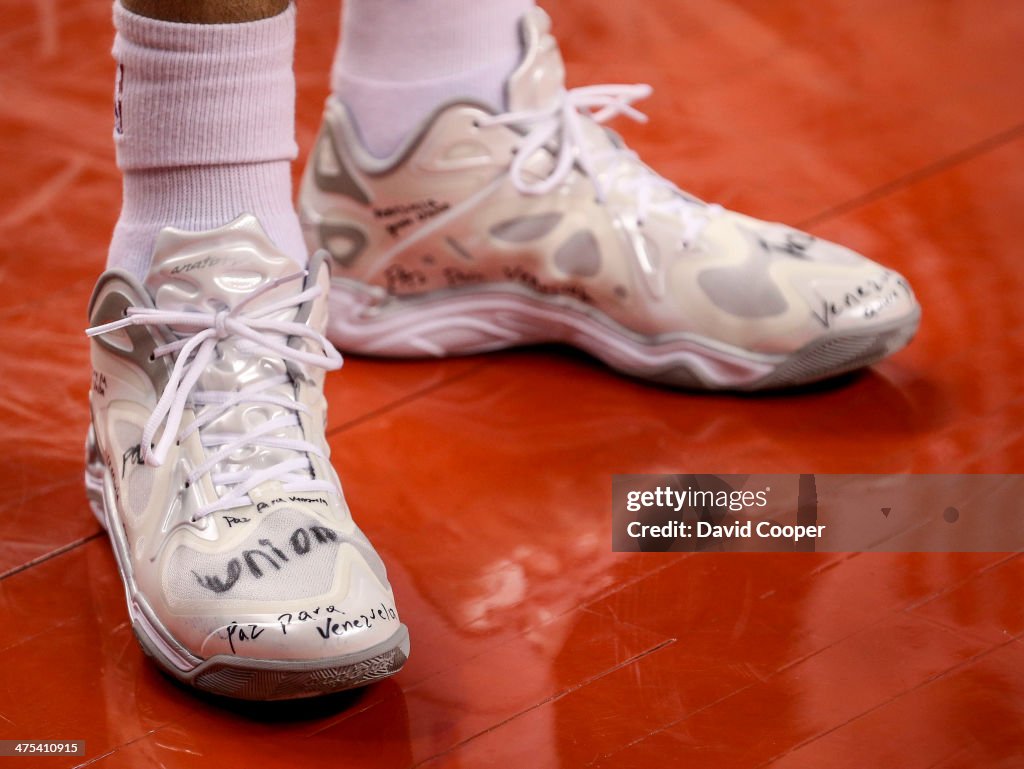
(208, 465)
(538, 225)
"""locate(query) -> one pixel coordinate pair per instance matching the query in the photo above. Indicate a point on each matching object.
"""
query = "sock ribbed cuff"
(200, 198)
(204, 94)
(397, 61)
(398, 40)
(386, 113)
(207, 197)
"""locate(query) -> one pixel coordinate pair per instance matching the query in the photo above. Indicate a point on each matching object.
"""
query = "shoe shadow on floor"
(280, 711)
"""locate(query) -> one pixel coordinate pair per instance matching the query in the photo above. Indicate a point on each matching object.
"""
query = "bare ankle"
(206, 11)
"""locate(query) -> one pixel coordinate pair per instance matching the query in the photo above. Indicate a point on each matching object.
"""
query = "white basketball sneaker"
(486, 231)
(207, 463)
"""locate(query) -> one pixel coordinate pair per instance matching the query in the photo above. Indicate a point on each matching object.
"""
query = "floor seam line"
(52, 554)
(912, 177)
(553, 698)
(666, 727)
(405, 399)
(931, 679)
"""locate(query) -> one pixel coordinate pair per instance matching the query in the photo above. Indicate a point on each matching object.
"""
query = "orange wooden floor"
(895, 127)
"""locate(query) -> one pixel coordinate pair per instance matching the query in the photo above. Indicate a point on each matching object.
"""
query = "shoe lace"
(194, 352)
(563, 123)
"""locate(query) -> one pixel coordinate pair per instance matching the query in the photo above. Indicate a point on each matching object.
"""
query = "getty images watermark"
(825, 513)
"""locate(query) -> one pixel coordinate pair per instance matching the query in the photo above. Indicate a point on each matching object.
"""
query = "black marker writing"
(258, 561)
(239, 631)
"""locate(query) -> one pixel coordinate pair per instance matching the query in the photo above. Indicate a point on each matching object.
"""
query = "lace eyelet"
(152, 357)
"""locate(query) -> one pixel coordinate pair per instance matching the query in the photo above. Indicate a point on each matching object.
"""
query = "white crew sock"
(398, 60)
(204, 129)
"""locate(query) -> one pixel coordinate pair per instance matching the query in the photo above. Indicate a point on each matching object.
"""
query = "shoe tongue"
(540, 77)
(217, 269)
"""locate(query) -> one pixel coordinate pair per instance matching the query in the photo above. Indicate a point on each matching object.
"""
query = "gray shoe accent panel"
(522, 229)
(112, 306)
(580, 255)
(343, 241)
(317, 262)
(746, 290)
(340, 181)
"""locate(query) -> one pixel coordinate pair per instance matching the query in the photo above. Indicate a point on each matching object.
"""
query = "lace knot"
(194, 351)
(565, 130)
(220, 325)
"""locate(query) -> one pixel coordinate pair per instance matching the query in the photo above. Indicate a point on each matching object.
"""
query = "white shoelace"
(194, 354)
(562, 123)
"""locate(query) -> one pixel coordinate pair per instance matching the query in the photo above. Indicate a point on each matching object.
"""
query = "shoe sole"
(462, 323)
(237, 677)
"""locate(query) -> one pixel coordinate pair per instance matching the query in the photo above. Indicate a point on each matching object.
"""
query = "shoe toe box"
(359, 616)
(292, 588)
(775, 288)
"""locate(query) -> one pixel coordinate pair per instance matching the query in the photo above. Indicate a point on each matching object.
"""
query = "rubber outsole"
(267, 680)
(242, 677)
(363, 321)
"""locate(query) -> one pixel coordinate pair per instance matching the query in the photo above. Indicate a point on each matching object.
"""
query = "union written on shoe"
(207, 464)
